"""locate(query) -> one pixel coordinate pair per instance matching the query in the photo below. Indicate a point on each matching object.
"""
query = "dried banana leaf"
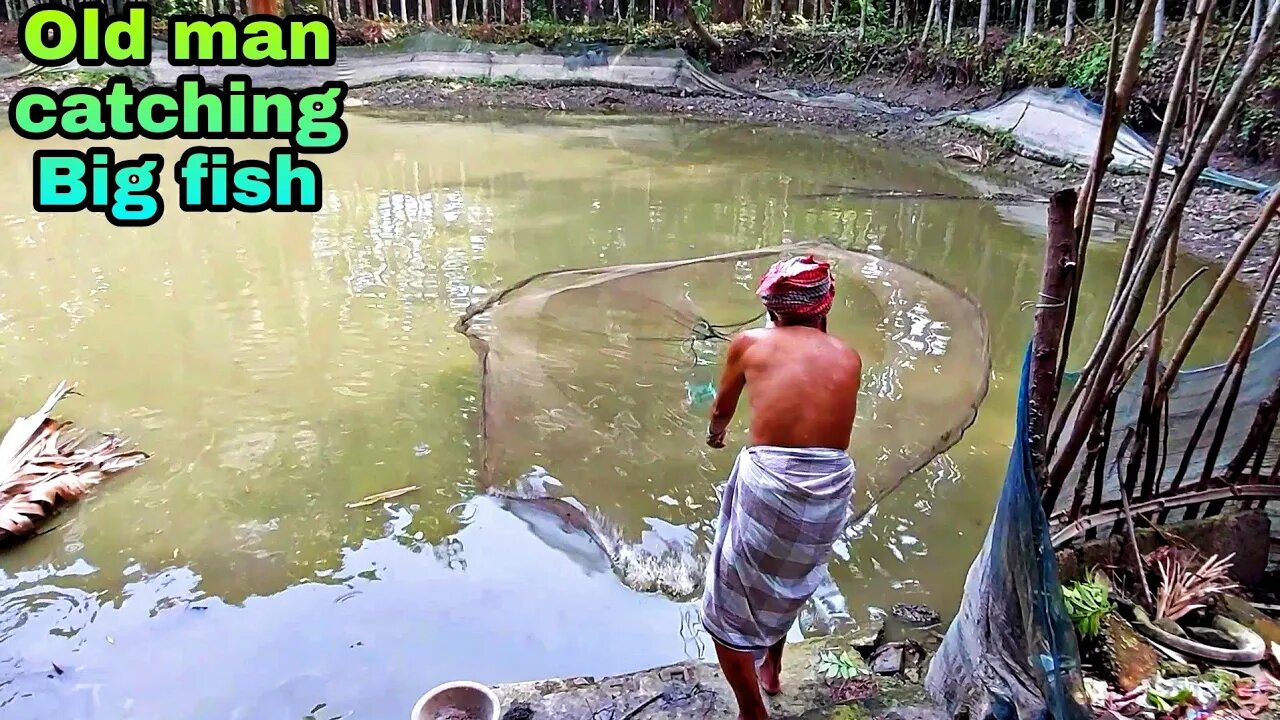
(45, 465)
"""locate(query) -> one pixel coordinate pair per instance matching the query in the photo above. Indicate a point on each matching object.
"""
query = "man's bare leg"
(740, 670)
(771, 670)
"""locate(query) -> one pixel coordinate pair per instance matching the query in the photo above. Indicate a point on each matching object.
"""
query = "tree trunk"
(685, 8)
(1099, 10)
(928, 21)
(1256, 26)
(1157, 30)
(984, 13)
(862, 19)
(1029, 22)
(775, 11)
(1070, 33)
(453, 19)
(951, 23)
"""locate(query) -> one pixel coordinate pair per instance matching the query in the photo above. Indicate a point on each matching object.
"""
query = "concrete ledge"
(698, 690)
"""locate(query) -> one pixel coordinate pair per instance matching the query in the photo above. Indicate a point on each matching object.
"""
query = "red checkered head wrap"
(798, 289)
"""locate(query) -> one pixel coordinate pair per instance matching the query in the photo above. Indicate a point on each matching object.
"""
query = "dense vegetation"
(1001, 44)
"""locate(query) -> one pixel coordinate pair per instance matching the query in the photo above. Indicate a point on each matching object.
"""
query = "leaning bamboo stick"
(1170, 502)
(1237, 375)
(1164, 312)
(1094, 179)
(1202, 110)
(1230, 378)
(1117, 341)
(1258, 437)
(1084, 211)
(1177, 93)
(1216, 293)
(1148, 415)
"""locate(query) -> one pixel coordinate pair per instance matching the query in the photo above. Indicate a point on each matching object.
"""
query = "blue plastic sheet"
(1011, 652)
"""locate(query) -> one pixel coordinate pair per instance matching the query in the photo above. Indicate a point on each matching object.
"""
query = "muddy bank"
(1214, 223)
(698, 691)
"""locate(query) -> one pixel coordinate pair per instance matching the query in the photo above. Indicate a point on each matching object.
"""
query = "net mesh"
(610, 370)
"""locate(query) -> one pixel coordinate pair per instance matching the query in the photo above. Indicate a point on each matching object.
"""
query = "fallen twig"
(1076, 528)
(379, 497)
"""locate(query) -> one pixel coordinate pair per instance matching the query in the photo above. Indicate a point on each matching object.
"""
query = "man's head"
(798, 291)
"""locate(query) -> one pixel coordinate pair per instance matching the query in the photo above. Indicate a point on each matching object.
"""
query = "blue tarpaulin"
(1061, 125)
(1011, 652)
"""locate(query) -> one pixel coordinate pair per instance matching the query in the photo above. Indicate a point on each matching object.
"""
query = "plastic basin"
(475, 700)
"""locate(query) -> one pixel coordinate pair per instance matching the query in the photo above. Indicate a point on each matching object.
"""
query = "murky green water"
(281, 367)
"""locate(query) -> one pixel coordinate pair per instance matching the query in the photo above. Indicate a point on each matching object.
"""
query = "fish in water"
(676, 572)
(571, 517)
(674, 568)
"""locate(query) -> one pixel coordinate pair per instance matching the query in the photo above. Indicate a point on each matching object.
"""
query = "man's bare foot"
(769, 676)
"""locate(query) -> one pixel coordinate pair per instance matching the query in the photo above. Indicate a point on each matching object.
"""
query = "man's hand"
(716, 439)
(732, 380)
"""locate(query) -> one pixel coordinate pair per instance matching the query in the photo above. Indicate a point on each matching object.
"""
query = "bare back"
(802, 385)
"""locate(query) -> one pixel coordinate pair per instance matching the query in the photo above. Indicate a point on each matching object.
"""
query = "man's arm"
(732, 379)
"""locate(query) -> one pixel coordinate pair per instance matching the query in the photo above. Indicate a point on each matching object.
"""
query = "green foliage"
(1163, 702)
(1087, 604)
(165, 8)
(1223, 681)
(1036, 60)
(839, 666)
(1088, 70)
(1003, 138)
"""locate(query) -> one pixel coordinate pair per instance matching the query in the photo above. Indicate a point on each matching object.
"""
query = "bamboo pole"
(1231, 374)
(1241, 363)
(1216, 293)
(1116, 341)
(1120, 84)
(1258, 437)
(1073, 530)
(1148, 445)
(1178, 90)
(1202, 110)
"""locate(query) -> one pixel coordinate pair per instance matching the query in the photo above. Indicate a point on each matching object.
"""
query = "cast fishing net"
(605, 375)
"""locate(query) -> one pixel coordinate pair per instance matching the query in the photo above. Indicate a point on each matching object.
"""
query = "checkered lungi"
(782, 510)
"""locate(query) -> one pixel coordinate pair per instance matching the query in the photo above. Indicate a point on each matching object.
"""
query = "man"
(787, 498)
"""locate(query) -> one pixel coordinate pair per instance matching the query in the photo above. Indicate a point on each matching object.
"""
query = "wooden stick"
(1178, 90)
(1074, 529)
(1164, 312)
(1202, 111)
(1259, 435)
(1051, 315)
(1216, 293)
(1084, 211)
(1133, 534)
(1117, 341)
(1237, 366)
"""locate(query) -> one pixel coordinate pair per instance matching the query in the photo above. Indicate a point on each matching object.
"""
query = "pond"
(282, 367)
